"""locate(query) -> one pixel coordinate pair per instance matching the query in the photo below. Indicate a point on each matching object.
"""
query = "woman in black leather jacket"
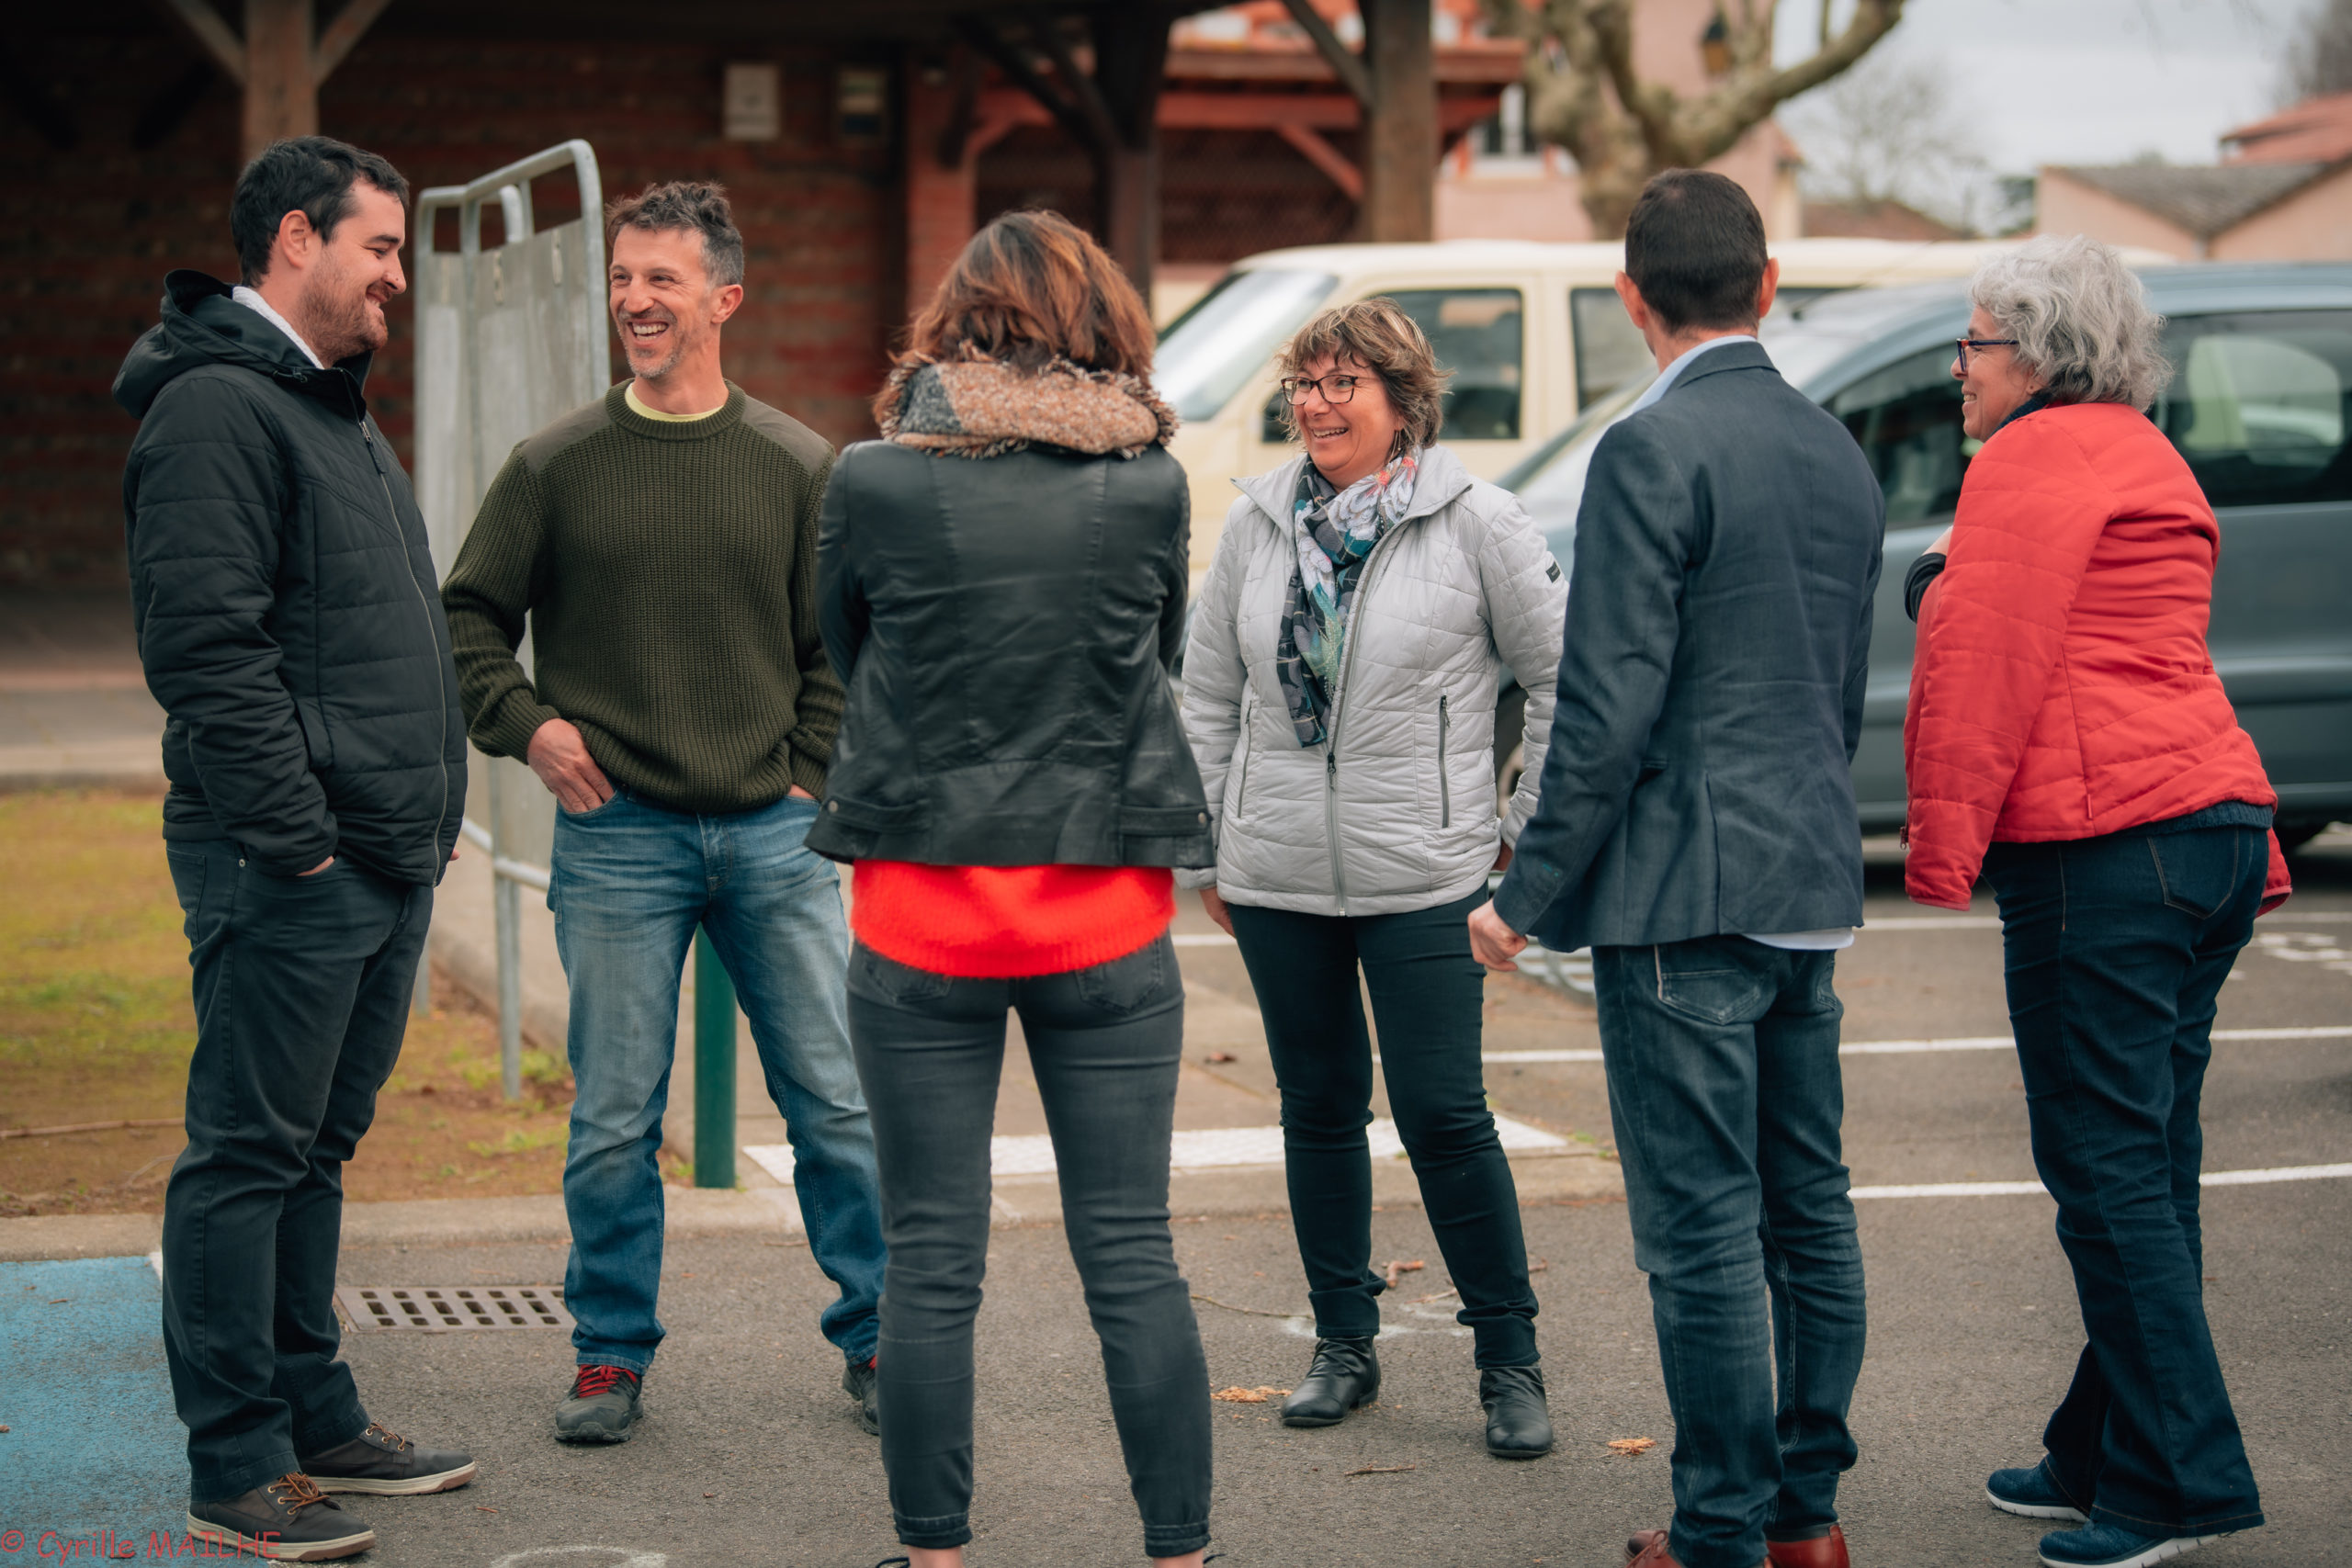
(1002, 582)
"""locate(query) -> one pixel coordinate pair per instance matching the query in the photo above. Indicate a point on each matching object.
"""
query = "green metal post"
(714, 1067)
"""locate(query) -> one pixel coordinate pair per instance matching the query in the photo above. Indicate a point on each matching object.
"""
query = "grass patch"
(96, 1025)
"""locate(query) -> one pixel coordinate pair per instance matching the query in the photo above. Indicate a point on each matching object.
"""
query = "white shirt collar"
(252, 300)
(1668, 377)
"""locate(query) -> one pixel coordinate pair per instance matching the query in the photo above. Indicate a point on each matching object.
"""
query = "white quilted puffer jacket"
(1398, 811)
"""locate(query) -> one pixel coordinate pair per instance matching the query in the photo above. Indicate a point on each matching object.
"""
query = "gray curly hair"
(2080, 317)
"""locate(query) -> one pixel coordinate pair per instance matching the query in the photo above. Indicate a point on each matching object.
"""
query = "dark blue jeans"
(1104, 1044)
(302, 987)
(1724, 1084)
(1427, 993)
(631, 882)
(2117, 948)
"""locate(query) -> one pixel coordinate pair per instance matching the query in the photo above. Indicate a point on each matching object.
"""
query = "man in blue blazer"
(1697, 831)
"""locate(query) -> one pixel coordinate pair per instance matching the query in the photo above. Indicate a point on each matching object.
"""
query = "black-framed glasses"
(1335, 388)
(1965, 344)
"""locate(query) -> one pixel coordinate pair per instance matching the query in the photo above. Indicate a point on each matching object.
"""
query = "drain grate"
(447, 1309)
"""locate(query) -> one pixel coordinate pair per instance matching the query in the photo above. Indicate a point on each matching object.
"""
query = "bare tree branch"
(1586, 95)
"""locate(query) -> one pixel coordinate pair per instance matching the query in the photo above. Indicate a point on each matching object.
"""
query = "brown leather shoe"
(1821, 1552)
(1648, 1550)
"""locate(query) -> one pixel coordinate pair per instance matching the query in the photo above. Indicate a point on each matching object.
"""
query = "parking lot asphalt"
(749, 1453)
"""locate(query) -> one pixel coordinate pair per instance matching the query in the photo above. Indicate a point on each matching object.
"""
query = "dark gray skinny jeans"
(1104, 1044)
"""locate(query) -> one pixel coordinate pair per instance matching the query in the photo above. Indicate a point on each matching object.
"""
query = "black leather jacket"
(1005, 628)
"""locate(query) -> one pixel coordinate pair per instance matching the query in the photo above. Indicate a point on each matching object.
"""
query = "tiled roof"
(2315, 129)
(2206, 200)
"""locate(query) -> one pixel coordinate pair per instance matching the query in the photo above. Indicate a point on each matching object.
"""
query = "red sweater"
(2062, 687)
(989, 921)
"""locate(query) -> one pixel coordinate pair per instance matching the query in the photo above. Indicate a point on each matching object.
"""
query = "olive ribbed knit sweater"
(669, 571)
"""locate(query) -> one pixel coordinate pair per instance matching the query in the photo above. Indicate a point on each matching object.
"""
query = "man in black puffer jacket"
(289, 626)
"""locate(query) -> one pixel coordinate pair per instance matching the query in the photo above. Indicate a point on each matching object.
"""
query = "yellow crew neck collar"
(637, 406)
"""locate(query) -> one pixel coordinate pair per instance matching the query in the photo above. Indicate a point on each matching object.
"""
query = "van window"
(1477, 334)
(1609, 349)
(1907, 418)
(2258, 402)
(1208, 352)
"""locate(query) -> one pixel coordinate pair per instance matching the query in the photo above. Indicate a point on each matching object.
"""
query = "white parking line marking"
(1958, 1042)
(1204, 1149)
(1930, 923)
(2027, 1189)
(1202, 939)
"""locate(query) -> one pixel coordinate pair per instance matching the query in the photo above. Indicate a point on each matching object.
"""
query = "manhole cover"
(445, 1309)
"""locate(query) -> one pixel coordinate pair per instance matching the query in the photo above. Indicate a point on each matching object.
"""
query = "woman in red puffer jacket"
(2067, 735)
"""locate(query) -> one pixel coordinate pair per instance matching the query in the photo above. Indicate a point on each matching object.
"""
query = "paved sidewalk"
(749, 1453)
(74, 706)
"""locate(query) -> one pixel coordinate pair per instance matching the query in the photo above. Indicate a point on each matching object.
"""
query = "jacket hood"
(1442, 480)
(202, 324)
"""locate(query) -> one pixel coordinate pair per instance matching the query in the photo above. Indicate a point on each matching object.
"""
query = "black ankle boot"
(1343, 1376)
(1519, 1425)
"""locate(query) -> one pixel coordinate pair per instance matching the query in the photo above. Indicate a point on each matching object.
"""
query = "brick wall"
(86, 235)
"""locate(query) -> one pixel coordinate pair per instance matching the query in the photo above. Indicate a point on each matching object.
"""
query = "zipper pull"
(1331, 763)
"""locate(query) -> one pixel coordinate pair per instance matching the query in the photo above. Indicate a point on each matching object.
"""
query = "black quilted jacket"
(286, 604)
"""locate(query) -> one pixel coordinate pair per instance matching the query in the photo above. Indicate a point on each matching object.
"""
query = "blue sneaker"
(2030, 1493)
(2104, 1546)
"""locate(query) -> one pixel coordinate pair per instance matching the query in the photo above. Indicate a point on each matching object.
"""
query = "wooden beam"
(1080, 86)
(1326, 157)
(1003, 109)
(281, 93)
(1342, 59)
(1400, 142)
(1007, 59)
(1130, 68)
(202, 26)
(350, 25)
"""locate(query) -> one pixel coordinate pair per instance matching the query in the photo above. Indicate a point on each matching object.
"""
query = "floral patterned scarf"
(1336, 530)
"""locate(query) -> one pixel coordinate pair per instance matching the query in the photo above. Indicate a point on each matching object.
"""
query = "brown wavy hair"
(1377, 334)
(1030, 288)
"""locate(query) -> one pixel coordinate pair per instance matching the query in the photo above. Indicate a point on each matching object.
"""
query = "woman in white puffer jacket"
(1340, 697)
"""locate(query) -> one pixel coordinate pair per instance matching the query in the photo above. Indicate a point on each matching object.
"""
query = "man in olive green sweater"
(663, 542)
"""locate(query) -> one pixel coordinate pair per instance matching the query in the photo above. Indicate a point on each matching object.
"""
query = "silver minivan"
(2260, 405)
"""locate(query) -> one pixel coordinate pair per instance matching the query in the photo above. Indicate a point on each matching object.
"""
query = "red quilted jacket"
(2062, 687)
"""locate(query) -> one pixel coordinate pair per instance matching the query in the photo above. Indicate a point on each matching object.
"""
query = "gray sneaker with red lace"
(603, 1405)
(385, 1464)
(289, 1520)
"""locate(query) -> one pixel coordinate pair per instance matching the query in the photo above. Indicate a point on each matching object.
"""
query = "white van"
(1532, 332)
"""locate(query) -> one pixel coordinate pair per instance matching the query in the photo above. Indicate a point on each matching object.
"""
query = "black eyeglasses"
(1335, 388)
(1965, 344)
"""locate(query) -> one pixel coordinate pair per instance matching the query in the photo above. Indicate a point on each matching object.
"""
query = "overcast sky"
(2088, 81)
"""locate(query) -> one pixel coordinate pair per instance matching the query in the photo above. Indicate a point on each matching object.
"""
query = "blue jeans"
(1104, 1044)
(1724, 1089)
(2117, 948)
(631, 882)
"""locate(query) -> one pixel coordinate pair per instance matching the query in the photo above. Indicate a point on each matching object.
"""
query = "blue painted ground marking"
(92, 1444)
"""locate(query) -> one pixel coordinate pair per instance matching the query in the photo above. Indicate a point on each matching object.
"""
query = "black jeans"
(1104, 1044)
(1427, 993)
(2117, 949)
(1724, 1088)
(302, 988)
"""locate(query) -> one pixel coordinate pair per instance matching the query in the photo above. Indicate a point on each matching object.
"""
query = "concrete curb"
(19, 773)
(774, 1211)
